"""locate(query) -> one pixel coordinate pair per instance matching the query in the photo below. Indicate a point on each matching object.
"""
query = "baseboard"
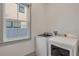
(31, 54)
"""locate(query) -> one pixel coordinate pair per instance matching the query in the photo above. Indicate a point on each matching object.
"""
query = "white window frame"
(5, 39)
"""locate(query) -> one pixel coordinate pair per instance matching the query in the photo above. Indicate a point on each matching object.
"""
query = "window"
(9, 24)
(21, 8)
(18, 29)
(24, 24)
(16, 24)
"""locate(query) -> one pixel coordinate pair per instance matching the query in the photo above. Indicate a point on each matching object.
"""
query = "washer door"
(57, 51)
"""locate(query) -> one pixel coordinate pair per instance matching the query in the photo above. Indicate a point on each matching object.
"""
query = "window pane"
(16, 24)
(24, 24)
(11, 32)
(8, 24)
(21, 8)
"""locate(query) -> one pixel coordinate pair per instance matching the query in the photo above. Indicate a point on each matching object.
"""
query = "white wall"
(63, 17)
(39, 21)
(26, 47)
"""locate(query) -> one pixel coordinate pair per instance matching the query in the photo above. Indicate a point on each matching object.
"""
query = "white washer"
(65, 43)
(42, 45)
